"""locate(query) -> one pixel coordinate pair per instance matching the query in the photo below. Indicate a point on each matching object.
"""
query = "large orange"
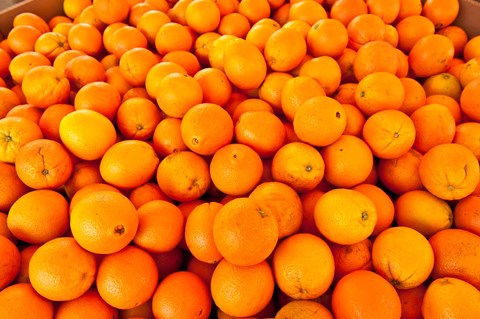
(64, 278)
(22, 301)
(104, 222)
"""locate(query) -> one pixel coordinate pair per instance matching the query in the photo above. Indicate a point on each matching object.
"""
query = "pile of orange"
(240, 159)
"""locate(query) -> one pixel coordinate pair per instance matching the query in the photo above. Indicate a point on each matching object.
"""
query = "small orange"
(271, 89)
(173, 36)
(431, 55)
(186, 59)
(354, 219)
(235, 24)
(466, 214)
(66, 278)
(10, 264)
(81, 70)
(87, 134)
(349, 258)
(128, 164)
(441, 12)
(254, 10)
(146, 193)
(109, 12)
(50, 120)
(237, 226)
(167, 137)
(182, 294)
(375, 56)
(206, 127)
(364, 28)
(103, 221)
(137, 118)
(300, 277)
(20, 64)
(411, 300)
(325, 70)
(89, 304)
(468, 102)
(215, 85)
(355, 120)
(135, 64)
(160, 226)
(16, 132)
(183, 176)
(415, 95)
(82, 33)
(284, 49)
(202, 16)
(345, 10)
(150, 22)
(98, 96)
(327, 37)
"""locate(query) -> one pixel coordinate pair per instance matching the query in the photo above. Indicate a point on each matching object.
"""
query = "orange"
(455, 255)
(103, 222)
(261, 31)
(414, 209)
(458, 36)
(204, 270)
(123, 39)
(403, 256)
(450, 296)
(248, 105)
(84, 173)
(10, 264)
(20, 64)
(206, 127)
(87, 134)
(283, 202)
(215, 86)
(367, 293)
(114, 78)
(127, 278)
(42, 164)
(182, 294)
(169, 262)
(28, 18)
(173, 36)
(82, 33)
(354, 219)
(82, 70)
(329, 31)
(466, 214)
(415, 95)
(11, 186)
(237, 226)
(375, 56)
(309, 12)
(135, 64)
(263, 131)
(345, 10)
(431, 55)
(244, 64)
(160, 226)
(137, 118)
(388, 10)
(167, 137)
(137, 10)
(400, 175)
(349, 258)
(39, 216)
(411, 300)
(320, 126)
(271, 89)
(202, 46)
(177, 93)
(25, 257)
(228, 166)
(449, 171)
(22, 301)
(304, 309)
(443, 84)
(146, 193)
(348, 161)
(27, 111)
(98, 96)
(242, 291)
(44, 86)
(284, 49)
(471, 49)
(89, 304)
(325, 70)
(4, 231)
(150, 22)
(199, 232)
(73, 8)
(296, 91)
(469, 72)
(235, 24)
(409, 8)
(216, 50)
(364, 28)
(9, 100)
(254, 10)
(355, 120)
(22, 38)
(109, 12)
(298, 276)
(441, 12)
(411, 29)
(468, 102)
(128, 164)
(299, 165)
(379, 91)
(66, 278)
(202, 16)
(50, 120)
(183, 176)
(186, 59)
(389, 133)
(439, 129)
(51, 44)
(88, 189)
